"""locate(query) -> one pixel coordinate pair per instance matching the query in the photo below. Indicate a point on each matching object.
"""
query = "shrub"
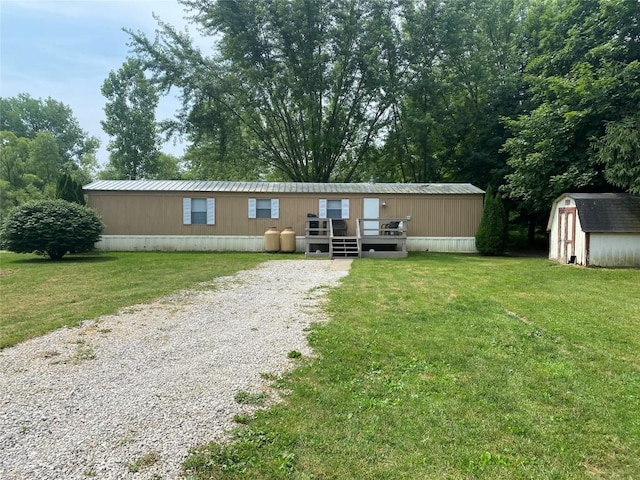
(490, 238)
(51, 227)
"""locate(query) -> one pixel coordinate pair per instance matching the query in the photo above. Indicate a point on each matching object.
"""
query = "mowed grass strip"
(453, 366)
(39, 295)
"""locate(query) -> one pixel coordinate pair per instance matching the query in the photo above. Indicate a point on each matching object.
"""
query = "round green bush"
(51, 227)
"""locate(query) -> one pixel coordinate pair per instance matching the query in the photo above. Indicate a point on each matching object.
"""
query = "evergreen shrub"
(51, 227)
(490, 238)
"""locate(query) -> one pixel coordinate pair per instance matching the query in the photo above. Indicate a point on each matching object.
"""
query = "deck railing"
(375, 227)
(380, 236)
(383, 227)
(317, 227)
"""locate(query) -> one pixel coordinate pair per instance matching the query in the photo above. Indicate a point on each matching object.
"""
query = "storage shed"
(234, 216)
(600, 229)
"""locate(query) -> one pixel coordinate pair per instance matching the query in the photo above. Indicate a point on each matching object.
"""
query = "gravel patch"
(126, 396)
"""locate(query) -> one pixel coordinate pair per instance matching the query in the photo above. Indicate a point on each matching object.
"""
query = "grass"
(247, 398)
(38, 295)
(459, 367)
(143, 462)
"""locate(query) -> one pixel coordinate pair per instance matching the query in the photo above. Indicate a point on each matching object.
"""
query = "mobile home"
(334, 219)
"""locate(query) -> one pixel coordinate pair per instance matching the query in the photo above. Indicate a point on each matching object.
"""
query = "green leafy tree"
(310, 80)
(224, 150)
(465, 75)
(69, 189)
(63, 187)
(583, 74)
(490, 238)
(169, 167)
(26, 117)
(205, 160)
(51, 227)
(14, 156)
(44, 159)
(130, 122)
(41, 140)
(619, 150)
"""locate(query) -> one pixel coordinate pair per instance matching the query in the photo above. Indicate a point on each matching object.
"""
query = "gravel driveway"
(127, 395)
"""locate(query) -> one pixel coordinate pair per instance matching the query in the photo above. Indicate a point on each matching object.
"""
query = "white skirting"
(234, 243)
(442, 244)
(168, 243)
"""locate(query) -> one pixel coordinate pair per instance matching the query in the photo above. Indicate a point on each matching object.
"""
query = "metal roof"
(607, 212)
(282, 187)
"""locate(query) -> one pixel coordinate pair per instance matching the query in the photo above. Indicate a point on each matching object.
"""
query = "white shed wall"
(553, 236)
(580, 240)
(614, 249)
(581, 243)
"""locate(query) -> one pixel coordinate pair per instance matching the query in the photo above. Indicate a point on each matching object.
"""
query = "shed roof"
(607, 212)
(282, 187)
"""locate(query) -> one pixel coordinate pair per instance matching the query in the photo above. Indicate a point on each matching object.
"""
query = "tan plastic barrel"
(272, 240)
(288, 240)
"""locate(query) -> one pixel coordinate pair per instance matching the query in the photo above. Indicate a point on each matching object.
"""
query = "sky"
(65, 49)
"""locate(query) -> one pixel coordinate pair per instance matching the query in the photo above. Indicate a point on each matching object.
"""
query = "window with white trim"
(333, 208)
(264, 208)
(198, 211)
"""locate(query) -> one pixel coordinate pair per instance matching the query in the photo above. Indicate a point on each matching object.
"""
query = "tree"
(169, 167)
(42, 139)
(237, 162)
(69, 189)
(130, 121)
(584, 93)
(17, 182)
(44, 159)
(26, 117)
(490, 238)
(465, 66)
(619, 151)
(14, 155)
(311, 80)
(226, 150)
(51, 227)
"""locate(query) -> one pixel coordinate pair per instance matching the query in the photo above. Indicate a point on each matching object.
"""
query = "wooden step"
(345, 247)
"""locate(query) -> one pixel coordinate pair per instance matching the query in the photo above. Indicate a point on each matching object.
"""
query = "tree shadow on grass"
(69, 258)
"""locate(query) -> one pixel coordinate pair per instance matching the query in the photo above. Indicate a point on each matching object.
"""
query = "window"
(264, 208)
(334, 208)
(198, 211)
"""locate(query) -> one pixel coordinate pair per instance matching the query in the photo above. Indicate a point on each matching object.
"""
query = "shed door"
(567, 233)
(371, 212)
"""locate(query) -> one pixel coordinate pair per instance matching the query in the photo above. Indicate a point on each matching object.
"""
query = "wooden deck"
(380, 237)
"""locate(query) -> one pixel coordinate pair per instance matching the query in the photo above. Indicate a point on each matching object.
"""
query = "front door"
(371, 212)
(566, 233)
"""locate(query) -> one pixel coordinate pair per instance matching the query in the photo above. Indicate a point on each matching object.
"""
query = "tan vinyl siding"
(160, 213)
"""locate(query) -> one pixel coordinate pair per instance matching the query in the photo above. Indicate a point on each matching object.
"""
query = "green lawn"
(38, 295)
(454, 366)
(435, 366)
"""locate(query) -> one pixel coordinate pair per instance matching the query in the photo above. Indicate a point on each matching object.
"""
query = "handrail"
(327, 231)
(320, 231)
(383, 229)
